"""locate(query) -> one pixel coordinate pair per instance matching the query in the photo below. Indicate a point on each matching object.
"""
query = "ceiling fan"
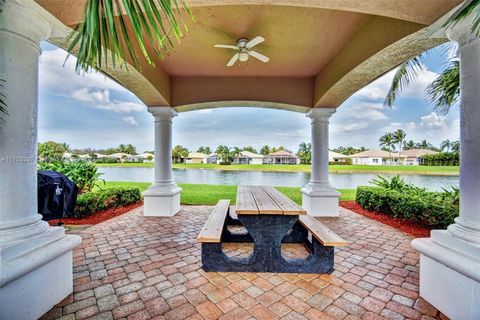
(244, 47)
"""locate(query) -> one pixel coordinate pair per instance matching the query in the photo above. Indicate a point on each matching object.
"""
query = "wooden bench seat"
(323, 234)
(213, 228)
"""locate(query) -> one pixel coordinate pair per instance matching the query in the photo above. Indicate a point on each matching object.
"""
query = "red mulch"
(412, 228)
(99, 216)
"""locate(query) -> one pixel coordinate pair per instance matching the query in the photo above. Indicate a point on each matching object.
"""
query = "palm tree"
(455, 146)
(444, 91)
(445, 145)
(424, 144)
(399, 137)
(407, 145)
(387, 141)
(124, 29)
(223, 152)
(305, 153)
(3, 102)
(265, 150)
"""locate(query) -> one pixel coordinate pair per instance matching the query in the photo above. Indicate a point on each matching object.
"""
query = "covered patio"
(321, 52)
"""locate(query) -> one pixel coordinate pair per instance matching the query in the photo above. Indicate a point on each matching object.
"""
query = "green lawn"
(427, 170)
(206, 194)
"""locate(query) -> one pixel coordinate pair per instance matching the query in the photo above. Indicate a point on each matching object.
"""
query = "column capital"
(462, 32)
(29, 20)
(163, 113)
(320, 114)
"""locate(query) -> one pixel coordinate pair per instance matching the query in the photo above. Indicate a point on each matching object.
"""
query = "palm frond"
(3, 102)
(406, 72)
(444, 91)
(469, 7)
(127, 29)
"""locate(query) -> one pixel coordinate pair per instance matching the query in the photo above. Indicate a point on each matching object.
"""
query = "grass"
(426, 170)
(207, 194)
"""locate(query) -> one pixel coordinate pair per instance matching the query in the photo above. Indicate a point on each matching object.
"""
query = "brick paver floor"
(135, 267)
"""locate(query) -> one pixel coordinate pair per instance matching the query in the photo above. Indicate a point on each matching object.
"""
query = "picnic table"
(270, 219)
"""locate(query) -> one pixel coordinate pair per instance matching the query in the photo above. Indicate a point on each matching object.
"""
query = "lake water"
(287, 179)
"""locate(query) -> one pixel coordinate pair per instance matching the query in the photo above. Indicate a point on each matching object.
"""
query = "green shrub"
(84, 174)
(433, 209)
(89, 203)
(441, 159)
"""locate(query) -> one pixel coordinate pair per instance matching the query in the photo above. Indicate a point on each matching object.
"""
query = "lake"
(286, 179)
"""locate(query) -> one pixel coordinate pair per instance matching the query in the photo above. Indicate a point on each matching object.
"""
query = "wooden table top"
(265, 200)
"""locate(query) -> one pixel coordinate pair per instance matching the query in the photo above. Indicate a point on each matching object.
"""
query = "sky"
(92, 111)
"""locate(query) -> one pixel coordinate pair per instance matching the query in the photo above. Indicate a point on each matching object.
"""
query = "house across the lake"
(376, 158)
(413, 157)
(281, 157)
(195, 157)
(247, 157)
(336, 157)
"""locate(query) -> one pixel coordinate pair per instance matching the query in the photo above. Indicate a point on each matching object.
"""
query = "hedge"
(441, 159)
(89, 203)
(432, 209)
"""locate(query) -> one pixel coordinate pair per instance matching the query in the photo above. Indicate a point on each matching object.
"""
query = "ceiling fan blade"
(259, 56)
(233, 60)
(226, 46)
(254, 42)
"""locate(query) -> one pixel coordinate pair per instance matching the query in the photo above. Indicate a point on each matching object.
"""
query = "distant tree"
(130, 149)
(235, 152)
(387, 141)
(455, 146)
(250, 149)
(93, 155)
(408, 145)
(424, 144)
(65, 146)
(265, 150)
(205, 150)
(51, 151)
(179, 153)
(349, 150)
(223, 152)
(399, 138)
(446, 145)
(111, 150)
(305, 153)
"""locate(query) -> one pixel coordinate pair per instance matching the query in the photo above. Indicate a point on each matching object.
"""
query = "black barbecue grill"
(57, 195)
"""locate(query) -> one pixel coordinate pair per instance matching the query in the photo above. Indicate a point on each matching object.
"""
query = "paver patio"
(136, 267)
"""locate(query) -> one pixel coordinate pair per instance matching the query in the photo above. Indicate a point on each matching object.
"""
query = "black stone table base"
(268, 232)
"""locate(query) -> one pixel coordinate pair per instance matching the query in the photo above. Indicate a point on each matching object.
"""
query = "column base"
(36, 274)
(450, 274)
(161, 201)
(320, 202)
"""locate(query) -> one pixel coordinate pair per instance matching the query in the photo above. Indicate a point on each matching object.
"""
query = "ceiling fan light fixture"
(243, 56)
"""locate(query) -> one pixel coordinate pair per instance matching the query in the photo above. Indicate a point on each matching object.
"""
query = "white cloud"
(100, 99)
(348, 127)
(432, 126)
(377, 90)
(130, 120)
(57, 75)
(369, 111)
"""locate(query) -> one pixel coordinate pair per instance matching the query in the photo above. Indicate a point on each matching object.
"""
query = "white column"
(36, 260)
(319, 198)
(163, 197)
(450, 259)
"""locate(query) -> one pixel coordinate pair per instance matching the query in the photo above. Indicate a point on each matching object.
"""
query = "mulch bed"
(412, 228)
(99, 216)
